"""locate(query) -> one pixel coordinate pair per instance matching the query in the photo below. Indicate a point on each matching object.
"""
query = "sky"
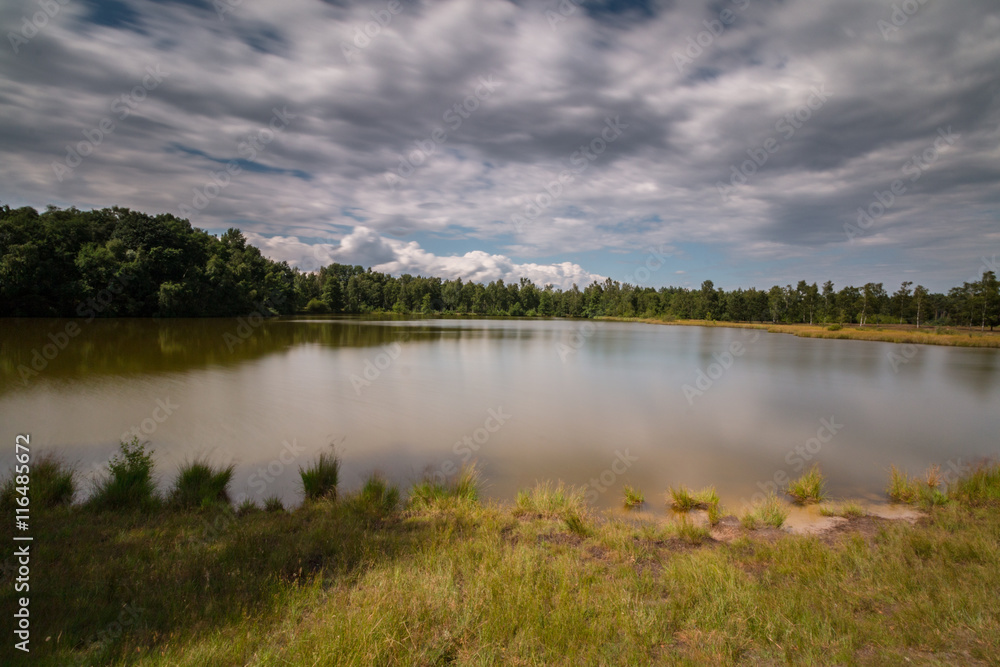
(749, 142)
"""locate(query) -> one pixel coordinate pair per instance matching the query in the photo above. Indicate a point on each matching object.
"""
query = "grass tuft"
(199, 484)
(376, 500)
(129, 483)
(848, 510)
(902, 489)
(691, 532)
(51, 483)
(273, 504)
(768, 512)
(715, 513)
(464, 488)
(576, 525)
(682, 499)
(633, 497)
(808, 488)
(547, 499)
(247, 507)
(979, 488)
(320, 479)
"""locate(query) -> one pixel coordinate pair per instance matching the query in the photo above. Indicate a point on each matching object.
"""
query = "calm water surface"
(592, 403)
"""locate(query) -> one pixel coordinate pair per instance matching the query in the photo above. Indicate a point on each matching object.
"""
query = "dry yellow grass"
(880, 333)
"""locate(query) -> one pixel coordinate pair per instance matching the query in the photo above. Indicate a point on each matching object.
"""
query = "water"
(599, 404)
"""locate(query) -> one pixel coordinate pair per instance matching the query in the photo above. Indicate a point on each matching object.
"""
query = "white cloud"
(363, 246)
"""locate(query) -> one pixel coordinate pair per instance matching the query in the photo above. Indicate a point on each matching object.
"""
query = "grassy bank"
(881, 333)
(358, 578)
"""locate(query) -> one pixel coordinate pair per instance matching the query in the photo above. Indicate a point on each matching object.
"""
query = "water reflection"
(411, 397)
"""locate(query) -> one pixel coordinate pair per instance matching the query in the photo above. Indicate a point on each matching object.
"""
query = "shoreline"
(885, 333)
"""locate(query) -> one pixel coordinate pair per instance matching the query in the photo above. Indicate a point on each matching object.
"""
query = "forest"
(115, 262)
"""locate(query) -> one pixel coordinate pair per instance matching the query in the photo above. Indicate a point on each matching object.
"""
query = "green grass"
(376, 501)
(633, 497)
(129, 481)
(849, 510)
(466, 583)
(462, 488)
(691, 532)
(682, 499)
(980, 488)
(768, 512)
(273, 504)
(319, 479)
(808, 488)
(50, 482)
(199, 484)
(902, 489)
(550, 500)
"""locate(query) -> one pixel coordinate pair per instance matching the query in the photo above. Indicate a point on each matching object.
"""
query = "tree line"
(116, 262)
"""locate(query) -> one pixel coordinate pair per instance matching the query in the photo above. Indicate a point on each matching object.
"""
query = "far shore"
(884, 333)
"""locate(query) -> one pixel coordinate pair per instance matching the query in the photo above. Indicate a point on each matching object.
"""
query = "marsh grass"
(376, 501)
(768, 512)
(199, 484)
(467, 583)
(52, 482)
(690, 532)
(320, 479)
(274, 504)
(808, 488)
(246, 507)
(849, 510)
(980, 488)
(462, 488)
(129, 482)
(902, 489)
(633, 497)
(550, 500)
(682, 499)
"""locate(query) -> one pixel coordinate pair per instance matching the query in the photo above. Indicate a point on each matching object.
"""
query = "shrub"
(319, 480)
(834, 327)
(129, 483)
(808, 488)
(199, 484)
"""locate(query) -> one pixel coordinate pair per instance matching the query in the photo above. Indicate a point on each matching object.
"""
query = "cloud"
(402, 138)
(366, 248)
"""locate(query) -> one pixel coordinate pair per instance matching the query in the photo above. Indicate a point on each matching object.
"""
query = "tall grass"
(633, 497)
(902, 489)
(51, 482)
(376, 500)
(129, 482)
(198, 484)
(550, 500)
(683, 499)
(979, 488)
(808, 488)
(768, 512)
(319, 479)
(463, 488)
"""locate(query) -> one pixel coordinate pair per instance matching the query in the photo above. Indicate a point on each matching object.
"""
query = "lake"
(599, 404)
